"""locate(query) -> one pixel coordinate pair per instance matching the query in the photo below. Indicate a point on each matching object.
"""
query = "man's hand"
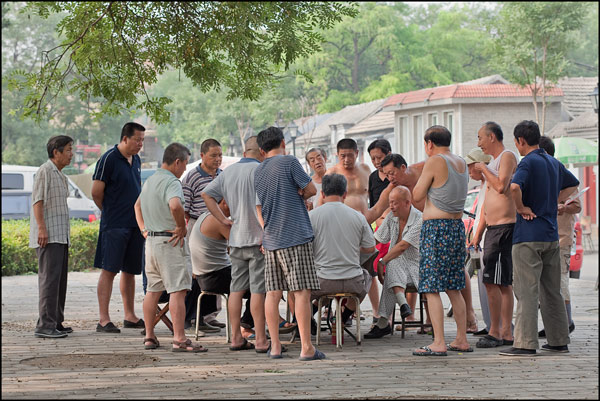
(178, 235)
(561, 209)
(479, 167)
(42, 237)
(475, 241)
(526, 213)
(380, 272)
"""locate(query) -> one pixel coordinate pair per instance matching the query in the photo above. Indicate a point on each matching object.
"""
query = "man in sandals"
(160, 216)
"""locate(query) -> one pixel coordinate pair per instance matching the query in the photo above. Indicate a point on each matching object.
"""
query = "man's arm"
(507, 168)
(215, 210)
(98, 192)
(179, 216)
(381, 206)
(139, 217)
(260, 217)
(38, 213)
(425, 180)
(480, 228)
(572, 208)
(308, 191)
(367, 250)
(396, 251)
(523, 210)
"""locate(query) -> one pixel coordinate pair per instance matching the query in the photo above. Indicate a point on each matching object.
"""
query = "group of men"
(264, 226)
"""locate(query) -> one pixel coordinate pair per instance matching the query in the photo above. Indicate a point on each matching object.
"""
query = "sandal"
(155, 344)
(187, 346)
(245, 346)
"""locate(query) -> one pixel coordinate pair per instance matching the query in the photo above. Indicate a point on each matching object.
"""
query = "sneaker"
(377, 332)
(518, 352)
(216, 323)
(555, 348)
(63, 329)
(405, 311)
(49, 333)
(108, 328)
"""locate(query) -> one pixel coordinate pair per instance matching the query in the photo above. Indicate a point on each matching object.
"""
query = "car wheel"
(574, 274)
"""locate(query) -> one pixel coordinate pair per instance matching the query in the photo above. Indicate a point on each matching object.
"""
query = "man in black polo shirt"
(115, 189)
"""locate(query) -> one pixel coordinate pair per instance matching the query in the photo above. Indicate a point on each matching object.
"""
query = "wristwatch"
(144, 231)
(381, 261)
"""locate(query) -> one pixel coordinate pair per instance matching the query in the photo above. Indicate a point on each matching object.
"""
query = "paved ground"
(90, 365)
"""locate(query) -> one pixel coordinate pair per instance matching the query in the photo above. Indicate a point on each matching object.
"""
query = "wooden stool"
(417, 323)
(340, 328)
(227, 327)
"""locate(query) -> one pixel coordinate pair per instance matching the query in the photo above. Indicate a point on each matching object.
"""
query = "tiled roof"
(464, 91)
(576, 100)
(588, 121)
(307, 124)
(384, 120)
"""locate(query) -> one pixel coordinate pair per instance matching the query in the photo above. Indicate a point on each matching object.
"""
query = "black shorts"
(497, 259)
(217, 282)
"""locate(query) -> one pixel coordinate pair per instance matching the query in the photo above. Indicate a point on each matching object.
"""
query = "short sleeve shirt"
(158, 190)
(277, 180)
(123, 185)
(194, 183)
(340, 232)
(376, 187)
(236, 186)
(51, 187)
(541, 177)
(389, 231)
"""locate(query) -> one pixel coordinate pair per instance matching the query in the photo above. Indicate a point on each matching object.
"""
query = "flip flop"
(429, 352)
(266, 351)
(318, 355)
(453, 348)
(273, 356)
(245, 346)
(155, 344)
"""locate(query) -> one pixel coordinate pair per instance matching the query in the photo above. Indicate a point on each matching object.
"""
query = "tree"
(532, 41)
(114, 50)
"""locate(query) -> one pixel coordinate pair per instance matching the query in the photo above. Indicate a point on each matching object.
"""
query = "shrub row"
(18, 258)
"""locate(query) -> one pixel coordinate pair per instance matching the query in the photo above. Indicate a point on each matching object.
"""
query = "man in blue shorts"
(282, 186)
(538, 185)
(115, 188)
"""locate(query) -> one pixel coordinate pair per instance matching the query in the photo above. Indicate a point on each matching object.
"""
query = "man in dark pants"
(49, 235)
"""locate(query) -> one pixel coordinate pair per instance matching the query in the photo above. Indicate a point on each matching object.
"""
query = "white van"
(17, 186)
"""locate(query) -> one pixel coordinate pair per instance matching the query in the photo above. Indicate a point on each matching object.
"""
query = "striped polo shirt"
(277, 180)
(193, 184)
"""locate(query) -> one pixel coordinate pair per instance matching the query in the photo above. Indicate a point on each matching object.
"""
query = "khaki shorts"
(166, 266)
(359, 285)
(565, 264)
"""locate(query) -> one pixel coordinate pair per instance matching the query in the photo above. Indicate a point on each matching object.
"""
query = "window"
(449, 123)
(17, 205)
(404, 135)
(432, 119)
(12, 181)
(418, 150)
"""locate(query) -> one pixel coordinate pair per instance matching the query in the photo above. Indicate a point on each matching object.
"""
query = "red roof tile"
(464, 91)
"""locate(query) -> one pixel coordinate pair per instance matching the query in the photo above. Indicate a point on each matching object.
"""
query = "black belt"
(159, 234)
(194, 217)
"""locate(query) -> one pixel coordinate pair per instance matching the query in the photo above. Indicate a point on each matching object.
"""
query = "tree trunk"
(355, 87)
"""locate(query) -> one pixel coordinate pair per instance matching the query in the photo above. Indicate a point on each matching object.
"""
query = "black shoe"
(49, 333)
(405, 311)
(376, 332)
(216, 323)
(542, 333)
(518, 352)
(108, 328)
(63, 329)
(134, 325)
(571, 327)
(481, 332)
(555, 348)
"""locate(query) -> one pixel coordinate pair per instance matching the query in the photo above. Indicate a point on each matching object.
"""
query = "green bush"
(18, 258)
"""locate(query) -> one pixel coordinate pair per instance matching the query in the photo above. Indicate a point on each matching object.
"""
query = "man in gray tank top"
(443, 184)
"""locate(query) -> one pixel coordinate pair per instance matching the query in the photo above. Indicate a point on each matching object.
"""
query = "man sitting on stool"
(341, 234)
(402, 260)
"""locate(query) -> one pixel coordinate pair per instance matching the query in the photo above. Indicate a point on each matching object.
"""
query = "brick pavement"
(383, 368)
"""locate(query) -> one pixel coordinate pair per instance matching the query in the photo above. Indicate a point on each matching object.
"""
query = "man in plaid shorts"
(282, 186)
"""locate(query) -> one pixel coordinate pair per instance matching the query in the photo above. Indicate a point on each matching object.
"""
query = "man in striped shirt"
(49, 235)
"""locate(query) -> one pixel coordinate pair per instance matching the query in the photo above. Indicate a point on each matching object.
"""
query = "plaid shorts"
(291, 269)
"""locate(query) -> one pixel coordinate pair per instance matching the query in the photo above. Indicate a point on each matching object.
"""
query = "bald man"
(402, 228)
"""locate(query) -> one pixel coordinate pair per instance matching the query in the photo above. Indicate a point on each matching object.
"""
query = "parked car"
(17, 186)
(576, 258)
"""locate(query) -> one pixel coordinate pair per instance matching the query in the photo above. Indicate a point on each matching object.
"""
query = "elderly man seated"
(402, 260)
(340, 235)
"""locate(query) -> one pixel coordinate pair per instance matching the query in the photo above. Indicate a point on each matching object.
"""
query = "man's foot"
(472, 327)
(377, 332)
(134, 325)
(216, 323)
(107, 328)
(518, 352)
(427, 351)
(187, 346)
(405, 311)
(481, 332)
(489, 342)
(555, 348)
(63, 329)
(49, 333)
(247, 332)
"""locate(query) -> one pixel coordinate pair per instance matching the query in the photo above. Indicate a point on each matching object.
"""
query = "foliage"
(583, 55)
(533, 39)
(18, 258)
(114, 50)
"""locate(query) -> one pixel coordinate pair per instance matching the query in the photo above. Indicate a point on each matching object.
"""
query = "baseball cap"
(476, 155)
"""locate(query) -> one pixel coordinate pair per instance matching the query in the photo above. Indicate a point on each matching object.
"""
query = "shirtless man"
(443, 186)
(357, 175)
(316, 159)
(498, 215)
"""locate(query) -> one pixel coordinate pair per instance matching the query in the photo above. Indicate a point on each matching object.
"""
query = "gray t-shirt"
(155, 196)
(339, 233)
(236, 185)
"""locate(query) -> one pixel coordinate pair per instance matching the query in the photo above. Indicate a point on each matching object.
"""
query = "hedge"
(18, 258)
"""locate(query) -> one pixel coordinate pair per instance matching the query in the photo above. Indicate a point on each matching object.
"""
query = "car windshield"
(471, 196)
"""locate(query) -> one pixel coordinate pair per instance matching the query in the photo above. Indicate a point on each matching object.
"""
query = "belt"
(194, 217)
(159, 234)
